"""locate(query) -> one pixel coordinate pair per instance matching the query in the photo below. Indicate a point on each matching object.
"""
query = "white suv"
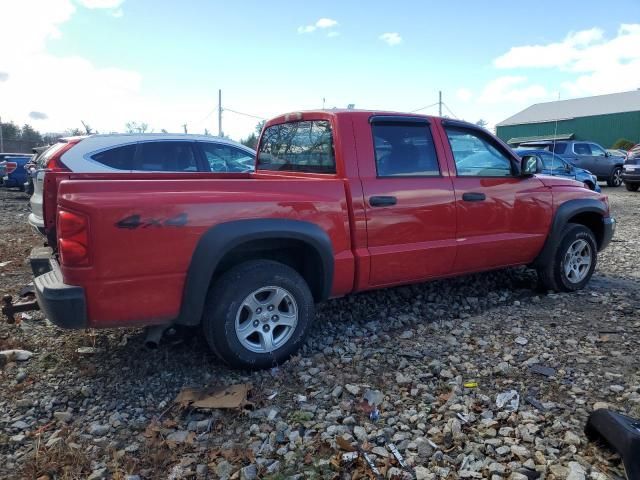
(147, 152)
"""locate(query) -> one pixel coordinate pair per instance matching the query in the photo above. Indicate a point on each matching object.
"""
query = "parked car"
(587, 155)
(631, 172)
(341, 201)
(553, 164)
(127, 153)
(12, 171)
(32, 168)
(617, 152)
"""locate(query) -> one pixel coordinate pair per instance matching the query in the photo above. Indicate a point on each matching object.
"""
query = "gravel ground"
(110, 413)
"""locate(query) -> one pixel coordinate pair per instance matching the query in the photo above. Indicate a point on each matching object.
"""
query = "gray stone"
(98, 430)
(352, 389)
(224, 470)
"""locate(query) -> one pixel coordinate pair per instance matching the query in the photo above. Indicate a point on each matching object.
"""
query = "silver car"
(128, 153)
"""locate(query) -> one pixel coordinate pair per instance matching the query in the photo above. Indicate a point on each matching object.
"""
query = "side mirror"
(607, 154)
(530, 165)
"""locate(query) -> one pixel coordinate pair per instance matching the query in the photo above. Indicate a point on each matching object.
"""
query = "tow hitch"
(27, 303)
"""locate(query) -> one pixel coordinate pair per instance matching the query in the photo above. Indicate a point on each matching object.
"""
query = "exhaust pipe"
(153, 336)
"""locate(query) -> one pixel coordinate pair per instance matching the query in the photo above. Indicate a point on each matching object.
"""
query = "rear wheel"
(632, 187)
(257, 314)
(615, 180)
(573, 262)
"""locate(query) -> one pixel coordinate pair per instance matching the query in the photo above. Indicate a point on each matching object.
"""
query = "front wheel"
(615, 180)
(632, 187)
(573, 261)
(257, 314)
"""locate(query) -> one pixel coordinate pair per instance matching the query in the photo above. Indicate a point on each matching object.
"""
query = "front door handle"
(382, 201)
(473, 197)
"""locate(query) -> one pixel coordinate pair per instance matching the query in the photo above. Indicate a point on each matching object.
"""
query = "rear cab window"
(300, 146)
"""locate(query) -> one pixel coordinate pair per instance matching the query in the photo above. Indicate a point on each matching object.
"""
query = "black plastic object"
(622, 433)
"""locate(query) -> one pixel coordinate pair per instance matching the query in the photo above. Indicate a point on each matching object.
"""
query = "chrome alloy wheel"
(266, 319)
(577, 261)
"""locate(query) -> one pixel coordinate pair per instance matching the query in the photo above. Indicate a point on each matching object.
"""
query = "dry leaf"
(233, 396)
(345, 445)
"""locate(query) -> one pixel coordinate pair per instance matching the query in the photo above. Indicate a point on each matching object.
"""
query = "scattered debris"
(8, 356)
(4, 264)
(542, 370)
(470, 385)
(233, 396)
(534, 402)
(521, 341)
(89, 350)
(510, 400)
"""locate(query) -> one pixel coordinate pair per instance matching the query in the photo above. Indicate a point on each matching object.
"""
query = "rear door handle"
(382, 201)
(473, 197)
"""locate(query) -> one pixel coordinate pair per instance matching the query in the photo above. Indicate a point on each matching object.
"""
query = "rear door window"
(120, 158)
(170, 156)
(227, 158)
(304, 146)
(558, 148)
(404, 149)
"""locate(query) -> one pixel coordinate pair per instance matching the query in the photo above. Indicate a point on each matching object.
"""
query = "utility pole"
(440, 103)
(1, 138)
(323, 101)
(220, 112)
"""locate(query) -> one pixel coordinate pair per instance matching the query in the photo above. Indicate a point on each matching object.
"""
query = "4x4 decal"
(136, 221)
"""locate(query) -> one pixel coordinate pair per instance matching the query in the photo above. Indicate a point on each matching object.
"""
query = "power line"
(424, 108)
(245, 114)
(449, 110)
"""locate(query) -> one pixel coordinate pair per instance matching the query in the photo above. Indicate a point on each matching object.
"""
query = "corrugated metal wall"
(602, 129)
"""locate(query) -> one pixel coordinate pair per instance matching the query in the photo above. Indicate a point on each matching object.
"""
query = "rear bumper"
(609, 230)
(63, 304)
(36, 223)
(631, 177)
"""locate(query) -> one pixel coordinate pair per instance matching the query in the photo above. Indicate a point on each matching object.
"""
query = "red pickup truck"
(340, 202)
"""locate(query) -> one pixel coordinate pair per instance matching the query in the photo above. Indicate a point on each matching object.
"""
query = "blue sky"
(111, 61)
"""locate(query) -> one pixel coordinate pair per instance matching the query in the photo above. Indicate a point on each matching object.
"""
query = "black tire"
(225, 301)
(632, 187)
(589, 185)
(553, 275)
(615, 179)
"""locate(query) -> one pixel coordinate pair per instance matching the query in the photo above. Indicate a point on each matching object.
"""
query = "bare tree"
(87, 127)
(136, 127)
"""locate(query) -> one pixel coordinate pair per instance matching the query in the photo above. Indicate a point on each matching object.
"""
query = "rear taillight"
(73, 239)
(10, 166)
(55, 161)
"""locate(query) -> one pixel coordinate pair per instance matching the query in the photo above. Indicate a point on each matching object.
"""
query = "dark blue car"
(553, 164)
(12, 170)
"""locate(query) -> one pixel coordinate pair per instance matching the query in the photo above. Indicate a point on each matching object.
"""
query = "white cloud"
(512, 89)
(321, 23)
(326, 23)
(100, 3)
(601, 65)
(464, 94)
(391, 38)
